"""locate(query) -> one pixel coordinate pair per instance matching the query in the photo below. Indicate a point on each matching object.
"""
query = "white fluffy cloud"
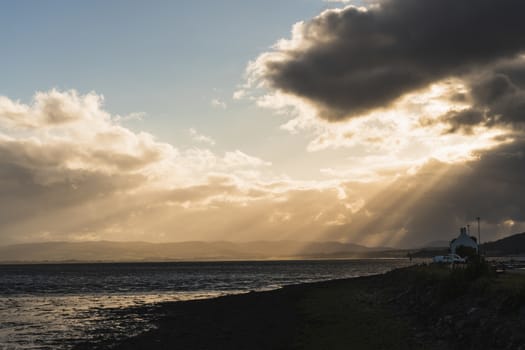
(69, 170)
(70, 131)
(217, 103)
(197, 137)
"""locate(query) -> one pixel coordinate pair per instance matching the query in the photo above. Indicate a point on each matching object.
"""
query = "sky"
(383, 123)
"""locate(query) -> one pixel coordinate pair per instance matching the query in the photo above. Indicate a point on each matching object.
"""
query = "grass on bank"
(339, 318)
(358, 314)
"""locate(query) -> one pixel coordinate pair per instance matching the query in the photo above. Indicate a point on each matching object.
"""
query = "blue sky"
(167, 59)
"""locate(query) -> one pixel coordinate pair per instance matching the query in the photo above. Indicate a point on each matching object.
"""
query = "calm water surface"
(56, 306)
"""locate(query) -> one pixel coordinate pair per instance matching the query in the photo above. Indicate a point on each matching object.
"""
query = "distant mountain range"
(142, 251)
(107, 251)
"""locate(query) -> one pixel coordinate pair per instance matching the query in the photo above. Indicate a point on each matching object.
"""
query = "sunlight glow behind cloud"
(385, 138)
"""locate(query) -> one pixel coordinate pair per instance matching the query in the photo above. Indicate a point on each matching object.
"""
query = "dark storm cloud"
(432, 204)
(497, 98)
(515, 69)
(504, 101)
(351, 61)
(492, 188)
(464, 121)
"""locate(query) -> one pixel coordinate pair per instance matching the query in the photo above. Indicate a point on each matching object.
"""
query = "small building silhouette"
(463, 240)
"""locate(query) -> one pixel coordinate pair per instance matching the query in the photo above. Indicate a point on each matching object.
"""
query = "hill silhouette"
(512, 245)
(108, 251)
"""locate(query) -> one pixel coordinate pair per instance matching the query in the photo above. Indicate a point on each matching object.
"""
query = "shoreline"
(198, 261)
(419, 307)
(102, 304)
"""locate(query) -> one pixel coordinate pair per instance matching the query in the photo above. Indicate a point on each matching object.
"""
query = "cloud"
(131, 116)
(240, 159)
(216, 103)
(347, 62)
(501, 96)
(433, 201)
(366, 3)
(51, 109)
(195, 136)
(67, 166)
(89, 177)
(489, 187)
(428, 100)
(493, 98)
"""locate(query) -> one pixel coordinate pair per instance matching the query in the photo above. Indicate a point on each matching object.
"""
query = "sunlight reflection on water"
(51, 322)
(58, 306)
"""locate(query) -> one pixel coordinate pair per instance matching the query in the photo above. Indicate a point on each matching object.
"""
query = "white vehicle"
(448, 259)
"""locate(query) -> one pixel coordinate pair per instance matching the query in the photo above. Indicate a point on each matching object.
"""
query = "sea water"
(55, 306)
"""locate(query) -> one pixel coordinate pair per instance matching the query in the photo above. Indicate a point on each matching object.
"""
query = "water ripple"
(58, 306)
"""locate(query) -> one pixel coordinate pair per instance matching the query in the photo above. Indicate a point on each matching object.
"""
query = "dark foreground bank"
(422, 307)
